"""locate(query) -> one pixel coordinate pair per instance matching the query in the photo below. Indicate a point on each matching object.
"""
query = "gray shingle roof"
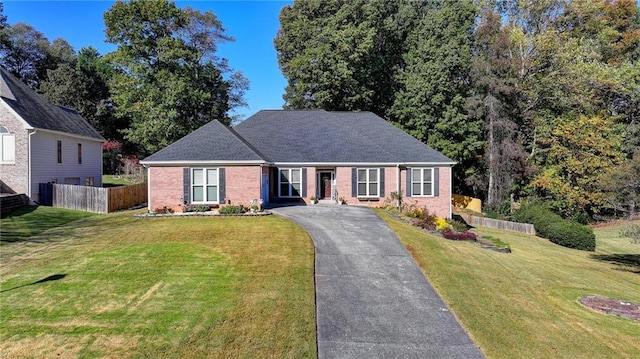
(40, 113)
(319, 136)
(211, 142)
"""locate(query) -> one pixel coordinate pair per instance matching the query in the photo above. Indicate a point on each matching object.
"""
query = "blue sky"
(253, 24)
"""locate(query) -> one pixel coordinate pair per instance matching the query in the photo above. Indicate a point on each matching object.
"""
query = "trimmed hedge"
(553, 227)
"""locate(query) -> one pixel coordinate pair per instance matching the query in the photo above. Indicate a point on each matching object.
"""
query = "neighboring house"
(291, 155)
(41, 142)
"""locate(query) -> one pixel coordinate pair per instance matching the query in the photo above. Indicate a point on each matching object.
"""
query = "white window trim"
(291, 183)
(12, 151)
(422, 181)
(205, 185)
(367, 182)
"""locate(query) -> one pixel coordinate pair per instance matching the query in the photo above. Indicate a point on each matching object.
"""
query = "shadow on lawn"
(50, 278)
(623, 262)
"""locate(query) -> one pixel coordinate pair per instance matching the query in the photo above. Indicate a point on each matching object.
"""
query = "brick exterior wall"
(165, 188)
(16, 176)
(440, 205)
(242, 184)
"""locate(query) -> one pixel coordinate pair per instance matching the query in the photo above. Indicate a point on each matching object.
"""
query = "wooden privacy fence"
(98, 199)
(505, 225)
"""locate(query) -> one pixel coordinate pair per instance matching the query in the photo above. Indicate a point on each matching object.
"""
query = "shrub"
(457, 226)
(425, 219)
(459, 236)
(232, 209)
(163, 210)
(551, 226)
(441, 224)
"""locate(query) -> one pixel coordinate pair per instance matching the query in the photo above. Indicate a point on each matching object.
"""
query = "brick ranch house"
(291, 155)
(41, 142)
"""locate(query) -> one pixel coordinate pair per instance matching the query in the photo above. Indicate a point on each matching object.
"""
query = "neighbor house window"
(59, 151)
(422, 181)
(368, 182)
(290, 182)
(7, 146)
(79, 153)
(204, 185)
(89, 181)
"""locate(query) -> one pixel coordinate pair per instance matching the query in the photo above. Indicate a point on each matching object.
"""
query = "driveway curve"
(372, 300)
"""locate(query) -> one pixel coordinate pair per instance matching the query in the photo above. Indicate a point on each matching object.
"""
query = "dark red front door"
(325, 185)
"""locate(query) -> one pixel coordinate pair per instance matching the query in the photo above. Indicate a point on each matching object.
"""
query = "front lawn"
(526, 304)
(115, 286)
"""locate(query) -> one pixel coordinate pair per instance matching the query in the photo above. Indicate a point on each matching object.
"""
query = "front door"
(325, 185)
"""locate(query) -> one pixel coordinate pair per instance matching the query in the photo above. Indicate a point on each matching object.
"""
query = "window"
(290, 182)
(79, 153)
(89, 181)
(59, 151)
(368, 182)
(7, 146)
(204, 185)
(422, 181)
(72, 180)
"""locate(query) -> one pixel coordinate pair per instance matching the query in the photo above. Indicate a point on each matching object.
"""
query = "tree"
(494, 101)
(621, 186)
(167, 80)
(573, 154)
(435, 85)
(344, 55)
(82, 85)
(26, 54)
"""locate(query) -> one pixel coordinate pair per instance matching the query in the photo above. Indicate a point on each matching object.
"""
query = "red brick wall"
(166, 186)
(242, 184)
(440, 205)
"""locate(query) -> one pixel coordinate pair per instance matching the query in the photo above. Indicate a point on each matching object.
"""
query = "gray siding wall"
(15, 176)
(44, 160)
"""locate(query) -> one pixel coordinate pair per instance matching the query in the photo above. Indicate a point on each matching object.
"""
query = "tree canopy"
(505, 88)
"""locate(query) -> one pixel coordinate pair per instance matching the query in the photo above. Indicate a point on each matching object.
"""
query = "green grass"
(117, 180)
(28, 221)
(526, 304)
(116, 286)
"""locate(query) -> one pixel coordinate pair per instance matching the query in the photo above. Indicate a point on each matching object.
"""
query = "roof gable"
(40, 113)
(210, 143)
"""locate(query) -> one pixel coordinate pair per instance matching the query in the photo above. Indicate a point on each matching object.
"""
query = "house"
(41, 142)
(291, 155)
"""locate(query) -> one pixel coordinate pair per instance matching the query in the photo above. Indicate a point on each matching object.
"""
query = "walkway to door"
(372, 300)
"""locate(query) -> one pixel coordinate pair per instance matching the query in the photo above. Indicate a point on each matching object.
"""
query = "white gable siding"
(15, 175)
(45, 166)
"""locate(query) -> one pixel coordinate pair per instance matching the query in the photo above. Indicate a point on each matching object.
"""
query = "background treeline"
(163, 81)
(532, 98)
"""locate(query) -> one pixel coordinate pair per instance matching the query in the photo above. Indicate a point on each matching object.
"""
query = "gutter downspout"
(148, 189)
(398, 186)
(29, 187)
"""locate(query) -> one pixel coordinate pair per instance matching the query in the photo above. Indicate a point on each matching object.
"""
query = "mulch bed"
(610, 306)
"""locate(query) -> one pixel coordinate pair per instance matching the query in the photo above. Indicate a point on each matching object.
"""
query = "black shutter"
(436, 182)
(382, 183)
(186, 185)
(304, 182)
(408, 189)
(354, 182)
(222, 186)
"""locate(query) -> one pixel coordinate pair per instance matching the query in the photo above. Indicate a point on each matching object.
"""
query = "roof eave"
(202, 163)
(353, 164)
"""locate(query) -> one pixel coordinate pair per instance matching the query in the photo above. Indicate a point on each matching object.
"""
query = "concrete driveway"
(372, 300)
